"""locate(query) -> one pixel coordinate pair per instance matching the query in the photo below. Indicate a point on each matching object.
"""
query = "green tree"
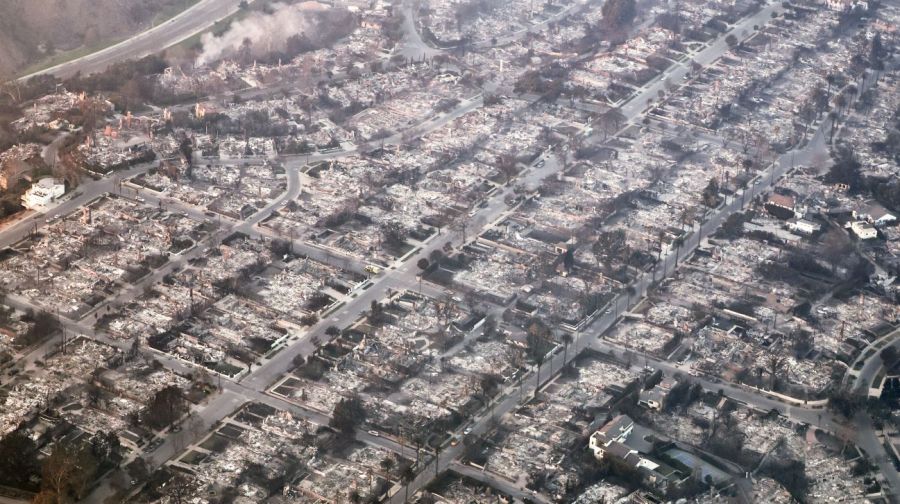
(618, 14)
(407, 476)
(569, 258)
(846, 169)
(876, 52)
(539, 361)
(836, 248)
(844, 403)
(710, 195)
(437, 459)
(348, 414)
(387, 464)
(18, 460)
(566, 340)
(679, 242)
(68, 472)
(167, 406)
(889, 356)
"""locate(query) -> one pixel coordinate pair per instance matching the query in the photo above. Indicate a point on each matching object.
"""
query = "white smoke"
(266, 32)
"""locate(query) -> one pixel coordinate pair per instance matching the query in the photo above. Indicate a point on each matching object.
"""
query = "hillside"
(33, 30)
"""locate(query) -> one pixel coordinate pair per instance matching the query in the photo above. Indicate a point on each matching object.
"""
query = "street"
(197, 18)
(403, 274)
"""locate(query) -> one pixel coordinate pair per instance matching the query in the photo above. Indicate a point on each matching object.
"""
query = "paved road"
(83, 194)
(631, 110)
(498, 482)
(412, 46)
(513, 396)
(198, 18)
(401, 276)
(675, 74)
(870, 363)
(398, 276)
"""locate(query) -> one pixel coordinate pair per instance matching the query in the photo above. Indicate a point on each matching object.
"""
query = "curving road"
(196, 19)
(403, 275)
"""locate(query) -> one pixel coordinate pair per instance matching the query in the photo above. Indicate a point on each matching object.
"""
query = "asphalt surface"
(870, 363)
(404, 275)
(412, 46)
(513, 396)
(197, 18)
(498, 482)
(86, 192)
(401, 276)
(718, 47)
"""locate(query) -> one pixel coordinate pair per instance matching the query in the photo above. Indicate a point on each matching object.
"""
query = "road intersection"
(399, 276)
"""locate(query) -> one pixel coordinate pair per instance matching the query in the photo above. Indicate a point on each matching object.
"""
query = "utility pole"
(291, 235)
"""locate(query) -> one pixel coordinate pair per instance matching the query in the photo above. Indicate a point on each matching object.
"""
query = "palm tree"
(566, 340)
(661, 237)
(678, 244)
(834, 118)
(437, 458)
(539, 360)
(387, 464)
(407, 476)
(631, 291)
(840, 100)
(418, 441)
(775, 363)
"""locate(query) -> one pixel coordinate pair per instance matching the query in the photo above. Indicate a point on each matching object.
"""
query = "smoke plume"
(260, 33)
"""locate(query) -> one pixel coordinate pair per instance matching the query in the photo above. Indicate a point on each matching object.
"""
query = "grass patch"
(66, 56)
(173, 10)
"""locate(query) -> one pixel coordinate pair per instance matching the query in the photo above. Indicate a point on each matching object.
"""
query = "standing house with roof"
(611, 441)
(42, 193)
(875, 213)
(655, 398)
(781, 206)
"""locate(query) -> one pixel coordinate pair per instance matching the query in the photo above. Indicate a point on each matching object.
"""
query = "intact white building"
(614, 433)
(846, 5)
(864, 230)
(804, 226)
(42, 193)
(875, 213)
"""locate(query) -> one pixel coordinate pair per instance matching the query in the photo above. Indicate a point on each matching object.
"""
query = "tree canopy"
(618, 14)
(348, 414)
